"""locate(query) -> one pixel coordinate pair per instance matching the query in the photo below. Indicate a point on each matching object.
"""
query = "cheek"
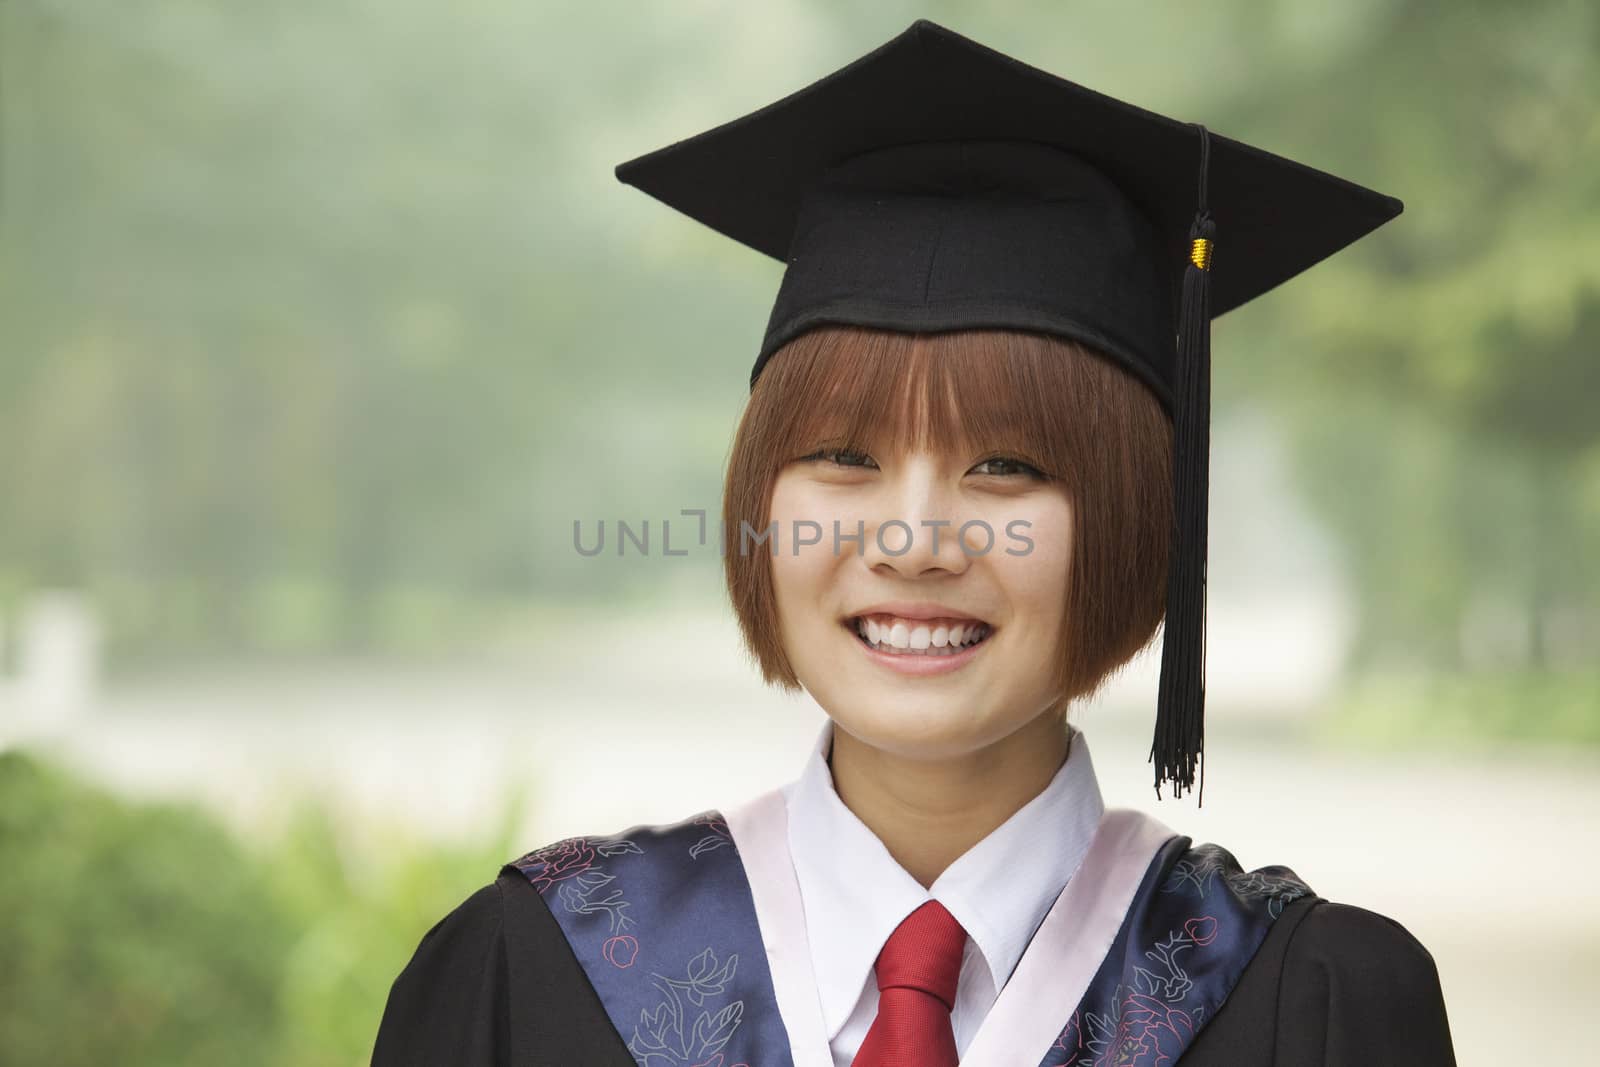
(799, 581)
(1036, 580)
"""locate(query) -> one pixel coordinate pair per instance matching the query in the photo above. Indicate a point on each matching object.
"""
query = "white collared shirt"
(854, 892)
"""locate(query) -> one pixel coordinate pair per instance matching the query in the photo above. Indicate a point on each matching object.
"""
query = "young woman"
(968, 486)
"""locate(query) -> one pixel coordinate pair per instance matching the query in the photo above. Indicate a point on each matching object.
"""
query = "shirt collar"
(855, 893)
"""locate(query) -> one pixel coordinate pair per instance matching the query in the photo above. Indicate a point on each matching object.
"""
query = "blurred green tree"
(1451, 366)
(319, 324)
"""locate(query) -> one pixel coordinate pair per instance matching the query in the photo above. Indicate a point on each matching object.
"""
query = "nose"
(916, 522)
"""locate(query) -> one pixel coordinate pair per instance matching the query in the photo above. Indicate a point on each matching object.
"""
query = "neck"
(928, 813)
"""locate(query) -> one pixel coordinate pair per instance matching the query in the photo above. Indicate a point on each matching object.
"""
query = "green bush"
(135, 936)
(149, 935)
(359, 906)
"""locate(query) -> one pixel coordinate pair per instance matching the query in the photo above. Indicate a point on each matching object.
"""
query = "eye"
(1006, 466)
(840, 457)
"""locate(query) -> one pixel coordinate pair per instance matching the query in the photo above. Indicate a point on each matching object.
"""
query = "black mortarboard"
(936, 184)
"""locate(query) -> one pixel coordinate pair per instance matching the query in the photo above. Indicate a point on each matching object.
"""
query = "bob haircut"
(1053, 403)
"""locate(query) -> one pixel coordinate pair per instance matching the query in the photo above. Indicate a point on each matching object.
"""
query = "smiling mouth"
(932, 638)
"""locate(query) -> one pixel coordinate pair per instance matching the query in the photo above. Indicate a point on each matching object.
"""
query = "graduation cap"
(937, 184)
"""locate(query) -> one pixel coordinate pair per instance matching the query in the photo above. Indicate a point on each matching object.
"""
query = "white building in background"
(54, 651)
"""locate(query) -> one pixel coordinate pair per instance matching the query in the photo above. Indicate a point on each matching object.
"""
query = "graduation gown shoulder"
(496, 983)
(1333, 985)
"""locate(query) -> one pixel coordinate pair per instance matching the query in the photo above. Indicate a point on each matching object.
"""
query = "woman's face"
(912, 694)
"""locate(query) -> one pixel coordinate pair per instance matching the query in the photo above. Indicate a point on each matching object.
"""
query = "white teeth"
(909, 637)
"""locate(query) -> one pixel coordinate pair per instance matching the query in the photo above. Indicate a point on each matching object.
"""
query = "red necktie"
(917, 972)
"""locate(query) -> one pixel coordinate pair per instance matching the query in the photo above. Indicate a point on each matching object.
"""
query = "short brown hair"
(1048, 401)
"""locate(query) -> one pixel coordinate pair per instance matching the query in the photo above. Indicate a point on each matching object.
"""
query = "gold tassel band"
(1200, 253)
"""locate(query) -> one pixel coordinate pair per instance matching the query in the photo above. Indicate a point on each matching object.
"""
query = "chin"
(917, 730)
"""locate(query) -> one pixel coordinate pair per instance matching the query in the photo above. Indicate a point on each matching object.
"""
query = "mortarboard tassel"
(1180, 710)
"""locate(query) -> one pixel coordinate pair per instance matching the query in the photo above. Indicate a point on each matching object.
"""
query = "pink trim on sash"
(1049, 981)
(760, 830)
(1054, 973)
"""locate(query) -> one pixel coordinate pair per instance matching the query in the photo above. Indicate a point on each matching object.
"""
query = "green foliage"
(358, 913)
(147, 935)
(297, 318)
(1478, 709)
(131, 936)
(1442, 376)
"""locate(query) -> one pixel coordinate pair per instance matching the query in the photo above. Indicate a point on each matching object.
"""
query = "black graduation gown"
(496, 984)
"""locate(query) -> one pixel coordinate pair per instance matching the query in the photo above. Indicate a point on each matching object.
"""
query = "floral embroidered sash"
(662, 921)
(1195, 924)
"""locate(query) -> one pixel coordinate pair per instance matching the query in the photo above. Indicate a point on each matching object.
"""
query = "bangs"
(976, 391)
